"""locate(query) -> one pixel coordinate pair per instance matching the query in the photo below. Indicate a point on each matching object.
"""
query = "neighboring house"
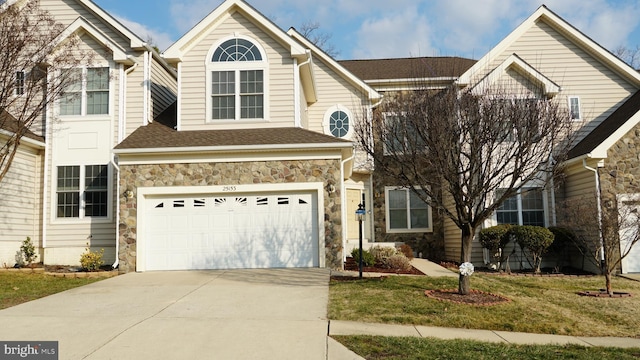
(62, 190)
(235, 148)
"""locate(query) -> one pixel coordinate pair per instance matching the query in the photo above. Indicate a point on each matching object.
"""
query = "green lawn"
(17, 288)
(547, 305)
(403, 348)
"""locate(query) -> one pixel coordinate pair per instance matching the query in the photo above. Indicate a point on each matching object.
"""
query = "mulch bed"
(352, 265)
(475, 297)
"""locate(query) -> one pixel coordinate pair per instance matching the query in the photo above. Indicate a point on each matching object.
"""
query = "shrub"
(406, 250)
(564, 240)
(28, 251)
(382, 253)
(367, 257)
(398, 262)
(91, 260)
(496, 237)
(535, 239)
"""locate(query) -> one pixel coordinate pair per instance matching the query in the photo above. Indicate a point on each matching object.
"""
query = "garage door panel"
(226, 232)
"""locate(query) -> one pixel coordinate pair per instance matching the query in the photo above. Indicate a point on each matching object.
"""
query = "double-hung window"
(524, 208)
(82, 191)
(406, 211)
(237, 81)
(86, 92)
(574, 108)
(402, 135)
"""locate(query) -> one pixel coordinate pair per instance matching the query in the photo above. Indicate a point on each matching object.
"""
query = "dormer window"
(237, 81)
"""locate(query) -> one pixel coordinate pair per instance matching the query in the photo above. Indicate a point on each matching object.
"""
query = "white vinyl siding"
(134, 98)
(164, 88)
(280, 81)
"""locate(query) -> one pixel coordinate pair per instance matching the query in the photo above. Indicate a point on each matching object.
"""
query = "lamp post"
(360, 217)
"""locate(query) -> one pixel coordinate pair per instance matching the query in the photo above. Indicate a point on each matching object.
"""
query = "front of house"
(235, 147)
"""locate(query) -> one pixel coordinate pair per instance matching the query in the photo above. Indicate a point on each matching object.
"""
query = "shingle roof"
(408, 68)
(11, 124)
(157, 135)
(607, 127)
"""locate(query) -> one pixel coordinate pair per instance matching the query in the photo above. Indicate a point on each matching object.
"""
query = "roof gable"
(568, 31)
(176, 51)
(136, 41)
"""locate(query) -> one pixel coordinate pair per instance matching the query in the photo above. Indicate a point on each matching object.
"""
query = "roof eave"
(235, 148)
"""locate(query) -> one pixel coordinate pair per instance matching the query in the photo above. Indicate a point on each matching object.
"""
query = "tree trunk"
(607, 280)
(464, 283)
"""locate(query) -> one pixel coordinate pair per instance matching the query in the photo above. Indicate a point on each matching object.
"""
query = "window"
(525, 208)
(402, 135)
(574, 108)
(237, 81)
(19, 83)
(406, 212)
(337, 122)
(87, 92)
(82, 191)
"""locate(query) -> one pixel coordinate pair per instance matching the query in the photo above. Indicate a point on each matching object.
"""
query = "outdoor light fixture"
(360, 217)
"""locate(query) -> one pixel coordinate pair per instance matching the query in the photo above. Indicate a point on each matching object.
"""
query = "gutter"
(599, 205)
(298, 85)
(235, 148)
(117, 220)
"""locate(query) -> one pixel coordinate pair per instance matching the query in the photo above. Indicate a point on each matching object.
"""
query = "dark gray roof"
(9, 123)
(408, 68)
(607, 127)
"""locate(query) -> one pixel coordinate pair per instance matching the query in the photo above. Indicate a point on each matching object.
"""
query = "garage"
(231, 231)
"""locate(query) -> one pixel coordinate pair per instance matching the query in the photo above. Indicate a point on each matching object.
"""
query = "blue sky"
(400, 28)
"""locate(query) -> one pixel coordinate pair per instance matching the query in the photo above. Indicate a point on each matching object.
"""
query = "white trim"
(178, 50)
(327, 117)
(179, 100)
(571, 33)
(600, 152)
(146, 86)
(237, 67)
(83, 116)
(389, 230)
(81, 24)
(514, 62)
(297, 112)
(136, 42)
(231, 148)
(569, 98)
(144, 192)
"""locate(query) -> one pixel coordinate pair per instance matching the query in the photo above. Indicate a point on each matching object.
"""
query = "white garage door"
(231, 231)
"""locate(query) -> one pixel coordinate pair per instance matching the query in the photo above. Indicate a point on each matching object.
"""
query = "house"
(62, 189)
(235, 147)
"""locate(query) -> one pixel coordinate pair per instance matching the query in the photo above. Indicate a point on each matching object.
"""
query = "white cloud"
(158, 38)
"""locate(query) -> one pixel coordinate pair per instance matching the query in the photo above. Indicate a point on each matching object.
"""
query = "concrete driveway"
(237, 314)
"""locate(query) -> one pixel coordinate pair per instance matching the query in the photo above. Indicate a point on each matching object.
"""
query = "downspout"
(598, 204)
(145, 88)
(343, 201)
(554, 218)
(296, 90)
(47, 173)
(117, 220)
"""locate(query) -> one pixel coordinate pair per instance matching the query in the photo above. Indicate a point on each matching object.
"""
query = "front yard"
(547, 305)
(19, 287)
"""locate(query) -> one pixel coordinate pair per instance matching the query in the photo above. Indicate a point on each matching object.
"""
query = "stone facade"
(233, 173)
(621, 171)
(430, 245)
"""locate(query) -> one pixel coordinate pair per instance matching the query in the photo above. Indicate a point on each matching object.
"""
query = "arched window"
(236, 70)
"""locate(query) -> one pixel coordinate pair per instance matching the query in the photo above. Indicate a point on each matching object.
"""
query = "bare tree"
(604, 237)
(465, 152)
(629, 55)
(311, 31)
(36, 54)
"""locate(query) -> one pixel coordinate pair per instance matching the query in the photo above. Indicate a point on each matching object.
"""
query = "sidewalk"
(336, 327)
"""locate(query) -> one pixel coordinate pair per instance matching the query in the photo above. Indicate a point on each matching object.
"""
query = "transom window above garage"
(236, 74)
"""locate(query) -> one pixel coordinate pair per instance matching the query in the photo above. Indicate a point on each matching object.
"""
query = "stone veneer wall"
(235, 173)
(430, 244)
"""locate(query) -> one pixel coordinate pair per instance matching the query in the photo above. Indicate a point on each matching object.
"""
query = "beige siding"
(573, 69)
(332, 90)
(67, 11)
(20, 204)
(280, 87)
(164, 88)
(134, 98)
(452, 234)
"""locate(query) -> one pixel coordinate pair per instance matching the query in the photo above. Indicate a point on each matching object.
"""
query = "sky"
(365, 29)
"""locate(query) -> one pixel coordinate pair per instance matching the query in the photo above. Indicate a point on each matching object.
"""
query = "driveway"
(237, 314)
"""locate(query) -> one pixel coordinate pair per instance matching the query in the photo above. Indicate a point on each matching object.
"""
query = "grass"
(545, 305)
(17, 288)
(405, 348)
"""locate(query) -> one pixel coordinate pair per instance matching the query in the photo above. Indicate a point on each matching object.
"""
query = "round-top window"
(339, 124)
